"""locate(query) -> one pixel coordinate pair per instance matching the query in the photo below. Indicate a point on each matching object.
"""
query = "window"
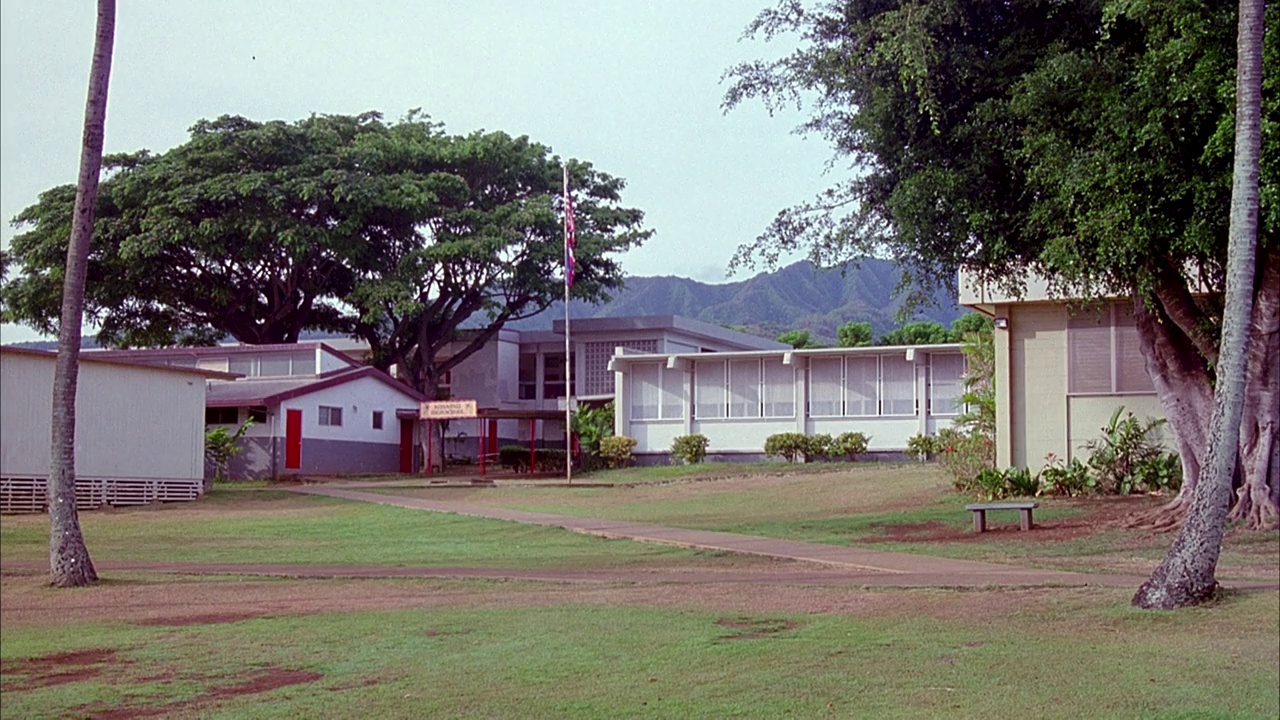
(672, 393)
(553, 380)
(330, 415)
(377, 419)
(744, 388)
(597, 379)
(897, 385)
(708, 389)
(1103, 355)
(274, 365)
(646, 391)
(779, 389)
(946, 374)
(258, 414)
(824, 386)
(221, 416)
(528, 377)
(861, 381)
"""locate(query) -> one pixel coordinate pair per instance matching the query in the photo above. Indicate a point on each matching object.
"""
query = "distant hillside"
(796, 297)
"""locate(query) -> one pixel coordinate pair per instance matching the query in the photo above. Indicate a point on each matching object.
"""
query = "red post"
(481, 439)
(533, 444)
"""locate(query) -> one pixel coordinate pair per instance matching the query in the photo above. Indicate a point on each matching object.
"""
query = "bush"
(1070, 479)
(992, 484)
(1129, 458)
(514, 457)
(923, 447)
(965, 454)
(689, 449)
(817, 447)
(787, 445)
(850, 445)
(616, 450)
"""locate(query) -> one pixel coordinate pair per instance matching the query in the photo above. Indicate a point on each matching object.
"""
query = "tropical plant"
(592, 425)
(221, 445)
(817, 447)
(1069, 479)
(923, 446)
(689, 449)
(1121, 457)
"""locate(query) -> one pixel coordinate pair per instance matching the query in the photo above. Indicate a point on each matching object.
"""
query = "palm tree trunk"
(69, 563)
(1186, 577)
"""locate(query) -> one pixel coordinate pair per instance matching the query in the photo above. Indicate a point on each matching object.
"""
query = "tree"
(798, 339)
(970, 323)
(854, 334)
(917, 333)
(1187, 575)
(69, 561)
(1086, 142)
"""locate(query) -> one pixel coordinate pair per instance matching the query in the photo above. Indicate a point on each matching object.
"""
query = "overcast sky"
(633, 87)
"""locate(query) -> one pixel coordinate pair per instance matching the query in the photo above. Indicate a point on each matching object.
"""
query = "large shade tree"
(1089, 142)
(394, 232)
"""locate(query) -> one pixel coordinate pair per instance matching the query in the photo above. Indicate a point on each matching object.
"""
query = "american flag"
(569, 239)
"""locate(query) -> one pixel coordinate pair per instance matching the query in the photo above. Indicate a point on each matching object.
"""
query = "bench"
(979, 511)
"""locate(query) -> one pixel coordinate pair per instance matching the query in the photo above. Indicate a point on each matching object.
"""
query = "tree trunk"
(1256, 498)
(69, 563)
(1187, 575)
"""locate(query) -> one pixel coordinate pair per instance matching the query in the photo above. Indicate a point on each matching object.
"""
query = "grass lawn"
(272, 526)
(507, 651)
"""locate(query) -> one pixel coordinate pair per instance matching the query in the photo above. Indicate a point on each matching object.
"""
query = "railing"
(29, 494)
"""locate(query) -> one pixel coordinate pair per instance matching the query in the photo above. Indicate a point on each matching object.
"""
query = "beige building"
(1061, 371)
(139, 431)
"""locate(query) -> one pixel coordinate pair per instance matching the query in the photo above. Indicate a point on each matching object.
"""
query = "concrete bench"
(979, 511)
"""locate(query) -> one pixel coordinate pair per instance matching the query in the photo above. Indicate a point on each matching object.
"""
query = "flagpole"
(568, 378)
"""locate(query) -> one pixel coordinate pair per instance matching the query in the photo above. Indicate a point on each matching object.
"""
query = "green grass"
(272, 526)
(1070, 656)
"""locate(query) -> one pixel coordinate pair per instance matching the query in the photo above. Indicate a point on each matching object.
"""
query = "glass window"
(861, 381)
(258, 414)
(672, 393)
(1131, 366)
(528, 377)
(709, 392)
(243, 365)
(646, 391)
(824, 386)
(330, 415)
(274, 365)
(779, 389)
(1089, 353)
(377, 419)
(946, 374)
(744, 388)
(897, 385)
(304, 363)
(221, 416)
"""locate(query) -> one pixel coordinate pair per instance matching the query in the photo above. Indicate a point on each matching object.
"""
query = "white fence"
(29, 494)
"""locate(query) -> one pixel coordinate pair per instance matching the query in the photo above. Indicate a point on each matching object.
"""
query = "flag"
(569, 239)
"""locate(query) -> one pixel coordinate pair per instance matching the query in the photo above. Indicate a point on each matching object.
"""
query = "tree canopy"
(395, 232)
(1089, 142)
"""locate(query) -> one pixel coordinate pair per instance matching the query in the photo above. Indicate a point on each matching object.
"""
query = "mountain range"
(796, 297)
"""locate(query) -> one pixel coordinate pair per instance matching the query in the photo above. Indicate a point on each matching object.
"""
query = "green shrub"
(789, 445)
(1070, 479)
(817, 447)
(1129, 457)
(689, 449)
(592, 425)
(965, 454)
(616, 450)
(514, 457)
(549, 460)
(850, 445)
(220, 445)
(1019, 482)
(923, 447)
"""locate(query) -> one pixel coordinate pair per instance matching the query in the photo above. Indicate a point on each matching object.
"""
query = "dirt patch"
(204, 619)
(57, 669)
(252, 683)
(1098, 515)
(754, 629)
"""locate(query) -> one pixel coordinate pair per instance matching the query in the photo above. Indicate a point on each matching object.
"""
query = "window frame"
(325, 416)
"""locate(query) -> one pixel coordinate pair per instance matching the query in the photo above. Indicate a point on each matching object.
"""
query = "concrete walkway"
(871, 567)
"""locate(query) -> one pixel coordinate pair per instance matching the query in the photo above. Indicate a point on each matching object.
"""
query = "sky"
(633, 87)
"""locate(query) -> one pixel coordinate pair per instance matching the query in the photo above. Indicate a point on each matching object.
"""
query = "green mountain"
(796, 297)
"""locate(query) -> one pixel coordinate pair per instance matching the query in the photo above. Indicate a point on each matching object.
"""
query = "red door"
(293, 440)
(493, 438)
(406, 445)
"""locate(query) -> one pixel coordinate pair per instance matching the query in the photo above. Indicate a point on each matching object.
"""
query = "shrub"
(850, 445)
(689, 449)
(592, 425)
(992, 484)
(786, 445)
(514, 457)
(548, 460)
(965, 454)
(817, 447)
(923, 447)
(616, 450)
(1070, 479)
(1128, 455)
(220, 445)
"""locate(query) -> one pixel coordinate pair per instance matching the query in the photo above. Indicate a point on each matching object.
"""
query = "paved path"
(872, 567)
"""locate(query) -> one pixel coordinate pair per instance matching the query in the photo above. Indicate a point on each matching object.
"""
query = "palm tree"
(1186, 577)
(69, 563)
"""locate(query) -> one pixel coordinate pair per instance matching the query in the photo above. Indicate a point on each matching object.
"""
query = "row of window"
(1103, 356)
(862, 386)
(329, 415)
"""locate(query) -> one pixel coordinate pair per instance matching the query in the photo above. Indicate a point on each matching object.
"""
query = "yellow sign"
(447, 409)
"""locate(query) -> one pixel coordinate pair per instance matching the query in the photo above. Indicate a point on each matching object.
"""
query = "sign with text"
(447, 409)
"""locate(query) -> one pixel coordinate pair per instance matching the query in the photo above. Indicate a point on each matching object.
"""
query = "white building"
(139, 431)
(738, 399)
